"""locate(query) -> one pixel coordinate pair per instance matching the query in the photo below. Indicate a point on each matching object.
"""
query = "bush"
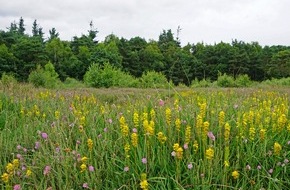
(108, 76)
(46, 77)
(225, 81)
(8, 80)
(152, 79)
(243, 81)
(202, 83)
(72, 83)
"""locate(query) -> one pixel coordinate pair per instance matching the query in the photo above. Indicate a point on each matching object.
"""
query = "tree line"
(21, 53)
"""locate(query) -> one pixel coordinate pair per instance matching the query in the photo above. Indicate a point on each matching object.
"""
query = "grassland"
(206, 138)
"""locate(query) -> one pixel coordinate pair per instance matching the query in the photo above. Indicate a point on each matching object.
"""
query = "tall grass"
(144, 139)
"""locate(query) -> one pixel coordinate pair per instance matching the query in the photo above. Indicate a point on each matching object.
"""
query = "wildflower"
(179, 153)
(175, 146)
(211, 136)
(90, 144)
(277, 148)
(134, 130)
(177, 124)
(226, 163)
(91, 168)
(37, 145)
(144, 160)
(187, 134)
(15, 163)
(259, 167)
(84, 159)
(28, 172)
(190, 166)
(209, 153)
(235, 174)
(5, 177)
(44, 135)
(19, 147)
(195, 145)
(105, 129)
(221, 118)
(144, 183)
(85, 185)
(126, 169)
(136, 119)
(270, 171)
(17, 187)
(46, 170)
(185, 146)
(161, 137)
(161, 102)
(110, 120)
(134, 139)
(9, 168)
(248, 167)
(286, 161)
(83, 167)
(168, 116)
(173, 153)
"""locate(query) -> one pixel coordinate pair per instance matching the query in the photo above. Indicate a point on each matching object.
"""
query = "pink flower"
(105, 129)
(211, 136)
(134, 130)
(126, 169)
(18, 147)
(91, 168)
(270, 171)
(173, 153)
(37, 145)
(185, 146)
(44, 135)
(110, 121)
(161, 102)
(190, 166)
(17, 187)
(259, 167)
(85, 185)
(144, 160)
(46, 170)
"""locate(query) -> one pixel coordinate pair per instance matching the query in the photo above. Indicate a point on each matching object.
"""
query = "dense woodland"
(21, 53)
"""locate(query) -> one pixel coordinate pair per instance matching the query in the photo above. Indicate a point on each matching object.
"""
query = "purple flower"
(37, 145)
(211, 136)
(46, 170)
(161, 102)
(91, 168)
(19, 156)
(44, 135)
(110, 121)
(144, 160)
(259, 167)
(190, 166)
(270, 171)
(85, 185)
(18, 147)
(17, 187)
(134, 130)
(105, 129)
(126, 169)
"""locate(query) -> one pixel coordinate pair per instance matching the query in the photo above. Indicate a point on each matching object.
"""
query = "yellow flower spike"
(28, 173)
(5, 177)
(56, 114)
(84, 159)
(168, 116)
(9, 168)
(136, 119)
(177, 124)
(175, 147)
(83, 167)
(15, 163)
(187, 134)
(195, 146)
(90, 144)
(277, 148)
(134, 139)
(221, 118)
(161, 137)
(235, 174)
(209, 153)
(179, 153)
(152, 114)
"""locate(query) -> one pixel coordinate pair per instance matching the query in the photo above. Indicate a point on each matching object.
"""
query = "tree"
(34, 28)
(7, 60)
(280, 64)
(53, 34)
(21, 27)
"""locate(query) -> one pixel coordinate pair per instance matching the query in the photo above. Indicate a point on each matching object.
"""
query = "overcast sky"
(208, 21)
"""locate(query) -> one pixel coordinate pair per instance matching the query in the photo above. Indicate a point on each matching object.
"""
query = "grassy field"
(128, 139)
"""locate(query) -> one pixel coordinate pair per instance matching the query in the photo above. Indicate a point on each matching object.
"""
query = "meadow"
(126, 139)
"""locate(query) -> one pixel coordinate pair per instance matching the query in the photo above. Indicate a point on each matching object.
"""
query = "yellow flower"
(235, 174)
(161, 137)
(277, 148)
(226, 163)
(209, 153)
(15, 163)
(195, 146)
(83, 167)
(179, 153)
(136, 119)
(175, 147)
(90, 144)
(9, 168)
(28, 172)
(134, 139)
(168, 116)
(221, 118)
(5, 177)
(144, 184)
(84, 159)
(187, 134)
(177, 124)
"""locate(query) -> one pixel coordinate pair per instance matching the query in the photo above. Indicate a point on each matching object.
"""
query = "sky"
(207, 21)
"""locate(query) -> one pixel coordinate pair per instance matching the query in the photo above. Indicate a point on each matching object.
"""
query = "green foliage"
(72, 83)
(46, 77)
(277, 82)
(225, 80)
(152, 79)
(8, 80)
(108, 76)
(243, 81)
(201, 83)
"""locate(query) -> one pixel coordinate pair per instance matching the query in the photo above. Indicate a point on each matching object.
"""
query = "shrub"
(225, 81)
(8, 80)
(202, 83)
(46, 77)
(243, 81)
(152, 79)
(108, 76)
